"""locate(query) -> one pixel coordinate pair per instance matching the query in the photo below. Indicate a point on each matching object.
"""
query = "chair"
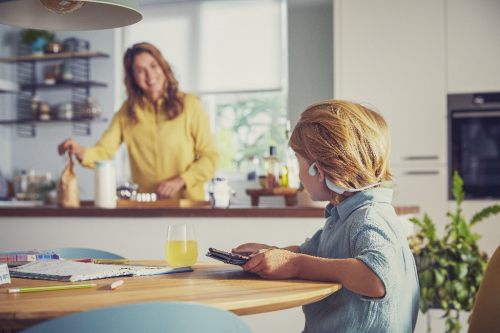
(174, 317)
(80, 253)
(485, 315)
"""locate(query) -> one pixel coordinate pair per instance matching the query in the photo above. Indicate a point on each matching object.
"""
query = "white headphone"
(313, 171)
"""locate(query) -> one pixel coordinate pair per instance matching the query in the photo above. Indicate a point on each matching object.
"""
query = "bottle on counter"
(290, 164)
(105, 184)
(272, 169)
(32, 184)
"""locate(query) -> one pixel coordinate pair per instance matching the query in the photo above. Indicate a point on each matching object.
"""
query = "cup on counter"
(182, 248)
(105, 184)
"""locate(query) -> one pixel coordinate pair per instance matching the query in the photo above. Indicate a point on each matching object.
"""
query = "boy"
(343, 152)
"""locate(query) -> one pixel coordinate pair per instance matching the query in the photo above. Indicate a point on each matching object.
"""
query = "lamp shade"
(93, 15)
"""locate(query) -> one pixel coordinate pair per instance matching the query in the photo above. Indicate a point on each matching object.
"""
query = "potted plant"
(37, 39)
(450, 269)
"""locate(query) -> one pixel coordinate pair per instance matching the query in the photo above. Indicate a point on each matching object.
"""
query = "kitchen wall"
(7, 100)
(310, 55)
(310, 73)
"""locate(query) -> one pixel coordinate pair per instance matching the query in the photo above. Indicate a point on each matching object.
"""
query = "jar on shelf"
(67, 72)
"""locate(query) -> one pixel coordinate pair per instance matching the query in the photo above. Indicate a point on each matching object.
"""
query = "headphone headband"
(313, 171)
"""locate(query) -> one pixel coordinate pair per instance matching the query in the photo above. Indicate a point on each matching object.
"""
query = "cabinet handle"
(429, 172)
(475, 114)
(422, 158)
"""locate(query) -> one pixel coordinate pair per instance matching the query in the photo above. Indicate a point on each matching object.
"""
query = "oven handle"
(476, 114)
(429, 172)
(428, 158)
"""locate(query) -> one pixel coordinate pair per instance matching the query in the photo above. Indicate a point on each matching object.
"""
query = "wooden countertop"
(234, 211)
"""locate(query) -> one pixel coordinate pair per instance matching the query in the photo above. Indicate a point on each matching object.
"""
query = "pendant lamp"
(68, 14)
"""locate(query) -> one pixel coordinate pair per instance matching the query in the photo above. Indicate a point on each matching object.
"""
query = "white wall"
(7, 100)
(310, 55)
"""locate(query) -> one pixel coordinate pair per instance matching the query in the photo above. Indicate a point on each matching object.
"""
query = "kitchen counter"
(233, 211)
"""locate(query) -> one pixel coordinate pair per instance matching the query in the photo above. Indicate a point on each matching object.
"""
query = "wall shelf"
(57, 86)
(29, 84)
(26, 128)
(55, 56)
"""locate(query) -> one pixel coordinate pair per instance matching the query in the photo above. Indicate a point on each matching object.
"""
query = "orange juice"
(181, 253)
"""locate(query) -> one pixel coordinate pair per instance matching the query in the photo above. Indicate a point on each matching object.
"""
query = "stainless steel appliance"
(474, 143)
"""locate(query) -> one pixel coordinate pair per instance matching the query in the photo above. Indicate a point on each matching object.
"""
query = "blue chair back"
(83, 253)
(174, 317)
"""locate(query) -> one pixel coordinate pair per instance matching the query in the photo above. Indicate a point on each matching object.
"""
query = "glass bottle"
(291, 162)
(272, 169)
(32, 183)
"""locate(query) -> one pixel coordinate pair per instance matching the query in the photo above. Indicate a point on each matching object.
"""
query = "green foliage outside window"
(247, 124)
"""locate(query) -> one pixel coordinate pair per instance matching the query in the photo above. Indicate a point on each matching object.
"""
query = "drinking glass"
(182, 247)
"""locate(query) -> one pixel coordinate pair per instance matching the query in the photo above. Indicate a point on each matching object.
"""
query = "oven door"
(475, 151)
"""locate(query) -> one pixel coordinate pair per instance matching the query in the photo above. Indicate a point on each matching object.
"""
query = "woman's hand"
(274, 264)
(168, 188)
(249, 248)
(73, 147)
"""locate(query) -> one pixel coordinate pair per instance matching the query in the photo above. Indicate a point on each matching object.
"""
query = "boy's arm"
(352, 273)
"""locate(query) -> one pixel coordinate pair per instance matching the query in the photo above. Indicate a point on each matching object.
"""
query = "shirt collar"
(346, 207)
(145, 104)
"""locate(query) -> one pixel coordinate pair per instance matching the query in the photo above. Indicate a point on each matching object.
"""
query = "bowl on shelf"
(91, 108)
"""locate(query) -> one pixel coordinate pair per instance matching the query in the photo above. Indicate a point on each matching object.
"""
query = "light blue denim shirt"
(365, 226)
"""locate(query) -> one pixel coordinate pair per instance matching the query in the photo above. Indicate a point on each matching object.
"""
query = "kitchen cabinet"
(394, 61)
(75, 90)
(425, 187)
(473, 48)
(397, 65)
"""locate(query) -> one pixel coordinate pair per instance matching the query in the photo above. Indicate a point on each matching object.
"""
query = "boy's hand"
(249, 248)
(273, 264)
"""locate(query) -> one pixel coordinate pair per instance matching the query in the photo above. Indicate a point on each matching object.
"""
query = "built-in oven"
(474, 143)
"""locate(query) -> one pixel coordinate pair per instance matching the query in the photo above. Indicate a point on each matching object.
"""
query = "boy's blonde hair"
(350, 142)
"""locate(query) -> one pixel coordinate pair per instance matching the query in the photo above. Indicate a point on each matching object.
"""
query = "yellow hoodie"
(160, 148)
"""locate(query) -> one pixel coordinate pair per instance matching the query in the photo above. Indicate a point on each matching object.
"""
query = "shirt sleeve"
(372, 243)
(106, 147)
(203, 169)
(311, 245)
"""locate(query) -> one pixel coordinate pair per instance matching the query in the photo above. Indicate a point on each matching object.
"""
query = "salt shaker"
(105, 184)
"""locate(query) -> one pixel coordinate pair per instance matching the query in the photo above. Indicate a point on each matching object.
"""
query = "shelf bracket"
(81, 128)
(26, 130)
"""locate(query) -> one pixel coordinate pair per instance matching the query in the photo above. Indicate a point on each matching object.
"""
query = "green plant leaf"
(455, 260)
(460, 270)
(417, 222)
(439, 276)
(457, 190)
(486, 212)
(425, 278)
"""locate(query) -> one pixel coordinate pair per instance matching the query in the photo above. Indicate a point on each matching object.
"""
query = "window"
(246, 124)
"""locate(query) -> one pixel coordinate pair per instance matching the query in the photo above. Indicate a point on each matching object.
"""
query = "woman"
(171, 149)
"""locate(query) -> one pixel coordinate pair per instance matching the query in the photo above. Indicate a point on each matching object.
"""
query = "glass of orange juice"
(182, 247)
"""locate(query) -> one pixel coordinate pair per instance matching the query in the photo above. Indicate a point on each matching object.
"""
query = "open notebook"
(71, 271)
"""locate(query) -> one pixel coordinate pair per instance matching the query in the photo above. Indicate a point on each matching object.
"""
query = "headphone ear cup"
(313, 170)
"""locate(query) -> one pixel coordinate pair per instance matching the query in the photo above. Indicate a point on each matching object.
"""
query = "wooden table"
(213, 283)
